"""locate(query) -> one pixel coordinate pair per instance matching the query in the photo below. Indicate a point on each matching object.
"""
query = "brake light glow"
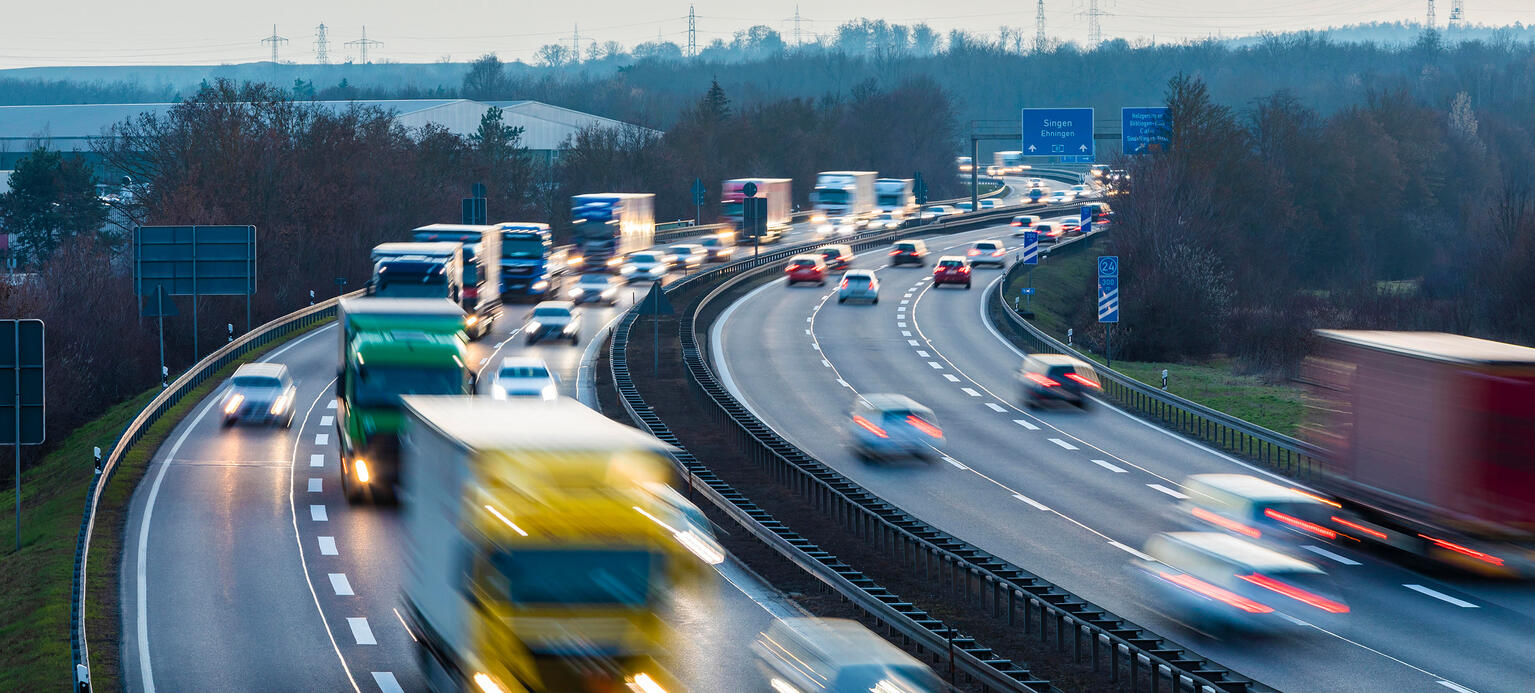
(870, 427)
(924, 426)
(1227, 523)
(1017, 223)
(996, 253)
(1296, 593)
(843, 285)
(1082, 381)
(1359, 527)
(1457, 548)
(1197, 585)
(1300, 524)
(895, 252)
(1056, 232)
(1042, 380)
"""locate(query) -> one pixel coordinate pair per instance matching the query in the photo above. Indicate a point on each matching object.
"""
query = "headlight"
(540, 285)
(614, 262)
(280, 405)
(360, 466)
(549, 393)
(234, 403)
(487, 684)
(575, 261)
(533, 326)
(626, 269)
(577, 291)
(471, 321)
(497, 392)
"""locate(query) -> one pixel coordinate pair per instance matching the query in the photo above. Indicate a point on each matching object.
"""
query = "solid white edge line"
(1345, 560)
(1454, 686)
(957, 464)
(1031, 501)
(1420, 589)
(1131, 551)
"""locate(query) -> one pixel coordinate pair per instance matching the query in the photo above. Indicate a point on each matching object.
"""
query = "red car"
(952, 269)
(806, 268)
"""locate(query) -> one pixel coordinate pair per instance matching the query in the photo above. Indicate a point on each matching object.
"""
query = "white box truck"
(896, 195)
(780, 205)
(843, 194)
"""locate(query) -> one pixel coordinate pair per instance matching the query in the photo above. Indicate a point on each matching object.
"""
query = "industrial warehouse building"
(72, 127)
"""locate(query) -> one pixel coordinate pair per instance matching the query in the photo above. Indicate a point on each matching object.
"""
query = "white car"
(1060, 197)
(521, 376)
(887, 221)
(858, 285)
(647, 266)
(937, 212)
(594, 288)
(553, 320)
(1024, 222)
(989, 203)
(260, 393)
(686, 256)
(1081, 190)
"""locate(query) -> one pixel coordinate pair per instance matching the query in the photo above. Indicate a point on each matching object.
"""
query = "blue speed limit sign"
(1108, 265)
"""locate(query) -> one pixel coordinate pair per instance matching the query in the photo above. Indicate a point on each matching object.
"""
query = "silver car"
(594, 288)
(648, 266)
(838, 656)
(260, 393)
(524, 377)
(887, 426)
(553, 320)
(858, 285)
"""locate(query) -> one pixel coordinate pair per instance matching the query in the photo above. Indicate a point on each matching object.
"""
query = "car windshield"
(594, 279)
(551, 312)
(986, 246)
(574, 577)
(906, 246)
(950, 263)
(256, 381)
(644, 257)
(681, 250)
(710, 242)
(804, 263)
(381, 386)
(830, 252)
(524, 372)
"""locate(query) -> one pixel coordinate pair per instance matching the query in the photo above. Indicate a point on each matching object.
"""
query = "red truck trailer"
(1429, 443)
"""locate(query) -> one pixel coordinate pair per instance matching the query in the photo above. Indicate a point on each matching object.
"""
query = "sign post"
(698, 201)
(1085, 219)
(1143, 127)
(23, 391)
(1058, 132)
(1030, 258)
(472, 209)
(195, 261)
(1108, 302)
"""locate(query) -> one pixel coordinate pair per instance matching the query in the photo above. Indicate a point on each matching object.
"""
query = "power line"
(321, 45)
(363, 44)
(692, 33)
(276, 41)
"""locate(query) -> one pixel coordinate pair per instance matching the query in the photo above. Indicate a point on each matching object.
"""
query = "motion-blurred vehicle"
(1081, 190)
(542, 556)
(1427, 439)
(1222, 583)
(779, 207)
(837, 256)
(687, 256)
(963, 207)
(553, 320)
(895, 195)
(1070, 228)
(886, 426)
(1036, 182)
(990, 203)
(908, 252)
(844, 193)
(806, 268)
(987, 252)
(1024, 222)
(938, 212)
(1255, 508)
(1057, 379)
(951, 269)
(1098, 170)
(524, 376)
(838, 656)
(1101, 212)
(260, 393)
(1060, 197)
(608, 226)
(886, 221)
(858, 285)
(1037, 195)
(721, 248)
(646, 266)
(846, 225)
(594, 288)
(1049, 231)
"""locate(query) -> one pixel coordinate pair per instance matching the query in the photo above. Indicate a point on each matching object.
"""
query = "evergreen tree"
(52, 200)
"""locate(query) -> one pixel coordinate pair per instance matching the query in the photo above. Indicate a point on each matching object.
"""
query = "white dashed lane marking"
(912, 342)
(936, 366)
(317, 460)
(321, 438)
(954, 462)
(1109, 466)
(331, 405)
(361, 632)
(922, 353)
(826, 363)
(327, 546)
(951, 378)
(341, 585)
(1420, 589)
(905, 333)
(1063, 444)
(1025, 424)
(1168, 491)
(1130, 551)
(386, 682)
(316, 484)
(1324, 553)
(317, 513)
(327, 420)
(970, 391)
(995, 407)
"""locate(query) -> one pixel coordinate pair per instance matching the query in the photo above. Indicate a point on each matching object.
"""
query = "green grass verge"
(35, 582)
(1064, 297)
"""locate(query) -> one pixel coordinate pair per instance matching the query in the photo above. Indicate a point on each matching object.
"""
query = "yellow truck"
(544, 546)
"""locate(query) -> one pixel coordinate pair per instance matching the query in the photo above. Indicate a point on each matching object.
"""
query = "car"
(260, 393)
(835, 655)
(806, 268)
(1258, 509)
(1057, 379)
(1060, 197)
(1070, 227)
(951, 269)
(885, 426)
(963, 207)
(594, 288)
(686, 256)
(987, 252)
(1036, 182)
(990, 203)
(553, 320)
(1098, 170)
(858, 285)
(645, 266)
(1081, 190)
(721, 248)
(848, 225)
(887, 221)
(1101, 212)
(912, 252)
(521, 377)
(1024, 222)
(1221, 584)
(1049, 231)
(938, 212)
(838, 256)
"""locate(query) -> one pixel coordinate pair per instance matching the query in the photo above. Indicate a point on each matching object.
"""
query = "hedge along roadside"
(1294, 458)
(186, 384)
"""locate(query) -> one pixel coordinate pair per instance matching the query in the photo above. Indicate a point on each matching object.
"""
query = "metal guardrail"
(986, 581)
(1282, 453)
(151, 413)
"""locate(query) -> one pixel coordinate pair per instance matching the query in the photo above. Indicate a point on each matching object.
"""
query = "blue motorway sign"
(1058, 132)
(1030, 247)
(1086, 219)
(1142, 127)
(1108, 288)
(1078, 159)
(1108, 265)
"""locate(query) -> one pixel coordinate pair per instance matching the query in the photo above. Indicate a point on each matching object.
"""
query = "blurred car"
(1098, 170)
(806, 655)
(645, 266)
(686, 256)
(1036, 195)
(806, 268)
(951, 269)
(990, 203)
(963, 207)
(912, 252)
(886, 426)
(846, 225)
(260, 393)
(594, 288)
(1036, 182)
(553, 320)
(1219, 582)
(1081, 190)
(1049, 231)
(1255, 508)
(887, 221)
(1024, 222)
(938, 212)
(720, 248)
(1060, 197)
(987, 252)
(858, 285)
(1070, 227)
(1101, 212)
(1057, 378)
(836, 255)
(524, 376)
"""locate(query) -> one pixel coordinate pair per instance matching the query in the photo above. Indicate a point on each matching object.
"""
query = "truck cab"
(418, 270)
(608, 226)
(529, 263)
(481, 295)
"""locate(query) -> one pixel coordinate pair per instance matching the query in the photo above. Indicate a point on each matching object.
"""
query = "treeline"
(1258, 224)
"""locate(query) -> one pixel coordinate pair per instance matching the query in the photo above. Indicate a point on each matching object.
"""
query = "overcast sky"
(125, 32)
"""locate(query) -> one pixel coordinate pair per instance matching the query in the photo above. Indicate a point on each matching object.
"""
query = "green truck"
(391, 347)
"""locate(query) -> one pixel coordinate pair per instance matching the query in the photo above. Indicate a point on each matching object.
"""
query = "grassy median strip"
(35, 583)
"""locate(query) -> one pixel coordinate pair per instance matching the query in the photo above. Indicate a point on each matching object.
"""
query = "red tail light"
(1230, 524)
(1214, 592)
(1360, 528)
(895, 252)
(870, 427)
(1017, 223)
(1056, 232)
(1300, 524)
(1457, 548)
(924, 426)
(1042, 380)
(791, 268)
(1082, 381)
(1296, 593)
(996, 253)
(843, 285)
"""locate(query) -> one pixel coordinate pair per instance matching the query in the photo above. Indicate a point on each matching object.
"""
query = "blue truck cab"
(529, 263)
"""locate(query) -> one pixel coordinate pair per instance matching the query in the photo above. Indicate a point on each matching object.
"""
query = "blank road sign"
(195, 260)
(21, 374)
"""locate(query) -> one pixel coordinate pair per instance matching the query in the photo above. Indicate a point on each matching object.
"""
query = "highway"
(1072, 495)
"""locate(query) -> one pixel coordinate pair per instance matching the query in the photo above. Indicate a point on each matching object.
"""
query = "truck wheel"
(876, 300)
(575, 339)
